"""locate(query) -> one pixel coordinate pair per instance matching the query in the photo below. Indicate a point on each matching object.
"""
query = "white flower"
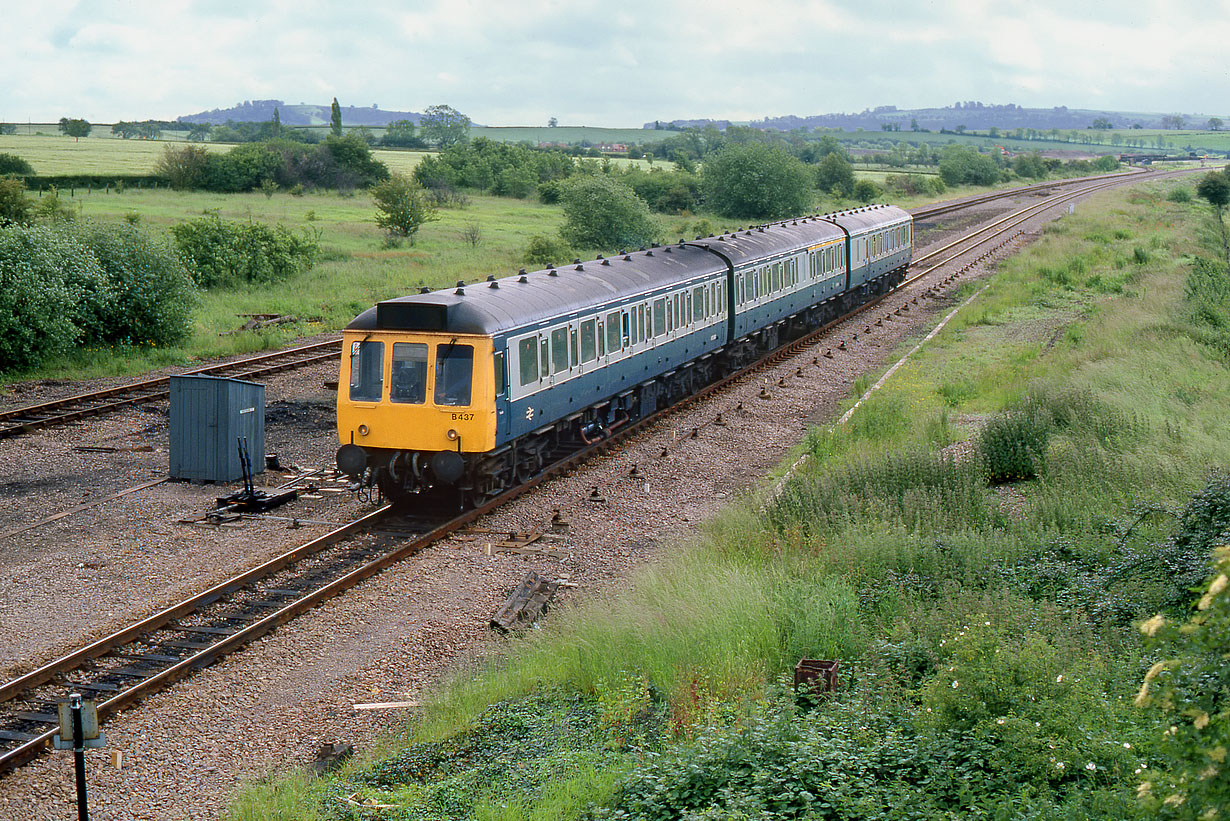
(1091, 766)
(1059, 678)
(1127, 746)
(1000, 721)
(1059, 765)
(954, 684)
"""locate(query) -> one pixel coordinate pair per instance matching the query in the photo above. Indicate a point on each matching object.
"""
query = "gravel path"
(274, 704)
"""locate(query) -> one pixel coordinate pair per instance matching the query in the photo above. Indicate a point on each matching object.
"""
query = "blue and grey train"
(477, 388)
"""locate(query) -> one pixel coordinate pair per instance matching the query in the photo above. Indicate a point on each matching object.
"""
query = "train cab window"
(454, 374)
(659, 317)
(366, 371)
(614, 321)
(501, 384)
(559, 350)
(589, 341)
(527, 360)
(409, 381)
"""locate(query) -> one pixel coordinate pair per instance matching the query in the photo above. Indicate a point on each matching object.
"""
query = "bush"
(184, 167)
(865, 191)
(602, 213)
(53, 295)
(1013, 445)
(404, 206)
(757, 182)
(543, 251)
(14, 204)
(12, 164)
(154, 294)
(1180, 195)
(231, 253)
(961, 165)
(834, 174)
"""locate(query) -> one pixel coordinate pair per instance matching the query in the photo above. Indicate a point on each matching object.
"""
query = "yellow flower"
(1154, 624)
(1218, 585)
(1145, 789)
(1218, 754)
(1201, 721)
(1173, 800)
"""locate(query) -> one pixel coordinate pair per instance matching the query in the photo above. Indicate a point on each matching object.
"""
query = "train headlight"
(452, 435)
(363, 430)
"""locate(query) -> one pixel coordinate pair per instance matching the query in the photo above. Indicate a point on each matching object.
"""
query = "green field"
(52, 155)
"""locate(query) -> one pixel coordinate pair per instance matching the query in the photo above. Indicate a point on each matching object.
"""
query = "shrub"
(1180, 195)
(602, 213)
(230, 253)
(403, 205)
(963, 165)
(52, 291)
(1013, 445)
(12, 164)
(543, 251)
(15, 206)
(756, 181)
(183, 167)
(1188, 690)
(154, 294)
(835, 174)
(865, 191)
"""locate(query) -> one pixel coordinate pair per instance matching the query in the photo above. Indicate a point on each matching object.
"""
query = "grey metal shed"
(209, 415)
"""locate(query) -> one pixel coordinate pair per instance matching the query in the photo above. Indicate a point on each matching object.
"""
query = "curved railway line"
(30, 418)
(149, 655)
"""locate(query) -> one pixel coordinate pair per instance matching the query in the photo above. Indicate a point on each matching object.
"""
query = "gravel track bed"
(275, 703)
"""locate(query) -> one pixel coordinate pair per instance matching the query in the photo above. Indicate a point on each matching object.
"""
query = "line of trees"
(337, 162)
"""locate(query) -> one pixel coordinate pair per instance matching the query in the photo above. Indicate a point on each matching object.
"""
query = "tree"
(277, 122)
(401, 134)
(335, 119)
(199, 132)
(963, 164)
(1102, 124)
(600, 212)
(1214, 124)
(444, 125)
(13, 164)
(75, 128)
(834, 173)
(403, 206)
(756, 181)
(552, 123)
(1215, 188)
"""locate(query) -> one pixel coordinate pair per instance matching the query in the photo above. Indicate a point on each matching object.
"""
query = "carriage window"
(559, 349)
(527, 356)
(366, 371)
(409, 382)
(613, 338)
(640, 321)
(576, 354)
(589, 343)
(454, 369)
(500, 382)
(659, 317)
(698, 303)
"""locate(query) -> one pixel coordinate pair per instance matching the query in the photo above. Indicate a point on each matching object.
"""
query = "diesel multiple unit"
(478, 387)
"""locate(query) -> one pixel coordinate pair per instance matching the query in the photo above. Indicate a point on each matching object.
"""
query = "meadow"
(988, 630)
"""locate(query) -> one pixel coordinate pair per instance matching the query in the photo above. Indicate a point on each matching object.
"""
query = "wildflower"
(1127, 746)
(1151, 626)
(1091, 766)
(999, 721)
(1059, 765)
(1201, 721)
(1173, 800)
(954, 684)
(1145, 788)
(1059, 678)
(1218, 585)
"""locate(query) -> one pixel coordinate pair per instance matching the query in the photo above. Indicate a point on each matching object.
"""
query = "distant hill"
(260, 111)
(973, 115)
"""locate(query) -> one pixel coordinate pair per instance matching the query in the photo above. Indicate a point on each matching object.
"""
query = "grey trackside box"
(210, 415)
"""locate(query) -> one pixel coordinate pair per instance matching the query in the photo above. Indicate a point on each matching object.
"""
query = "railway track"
(94, 403)
(147, 656)
(82, 406)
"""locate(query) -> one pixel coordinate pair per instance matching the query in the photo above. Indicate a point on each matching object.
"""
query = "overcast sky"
(614, 63)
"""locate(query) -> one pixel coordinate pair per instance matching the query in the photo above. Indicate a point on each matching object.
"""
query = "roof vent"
(460, 290)
(601, 257)
(523, 278)
(493, 284)
(424, 290)
(761, 229)
(551, 272)
(627, 258)
(649, 253)
(667, 249)
(550, 266)
(622, 252)
(491, 277)
(642, 247)
(606, 262)
(580, 267)
(521, 271)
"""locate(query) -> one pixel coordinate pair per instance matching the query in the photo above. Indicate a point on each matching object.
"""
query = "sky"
(613, 63)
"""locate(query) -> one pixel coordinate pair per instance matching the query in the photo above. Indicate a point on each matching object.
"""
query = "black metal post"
(83, 811)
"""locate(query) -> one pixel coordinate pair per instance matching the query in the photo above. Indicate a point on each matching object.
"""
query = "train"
(470, 390)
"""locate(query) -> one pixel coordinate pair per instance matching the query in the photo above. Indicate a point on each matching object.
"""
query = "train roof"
(525, 299)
